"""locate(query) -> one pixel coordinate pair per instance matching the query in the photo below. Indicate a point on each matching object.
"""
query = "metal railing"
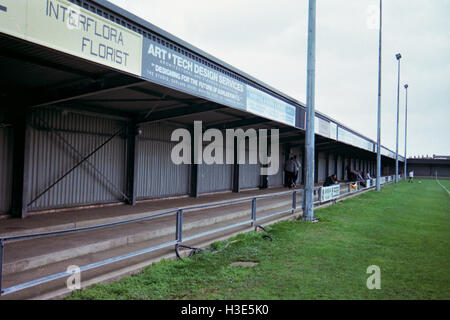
(253, 220)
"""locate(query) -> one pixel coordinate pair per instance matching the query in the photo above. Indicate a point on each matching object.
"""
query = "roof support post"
(195, 169)
(335, 163)
(21, 166)
(132, 148)
(236, 170)
(287, 153)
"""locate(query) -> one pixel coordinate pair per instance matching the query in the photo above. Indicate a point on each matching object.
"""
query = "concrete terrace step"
(57, 288)
(85, 217)
(29, 254)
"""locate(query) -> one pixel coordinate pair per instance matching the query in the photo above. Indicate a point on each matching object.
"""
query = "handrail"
(179, 230)
(113, 224)
(74, 230)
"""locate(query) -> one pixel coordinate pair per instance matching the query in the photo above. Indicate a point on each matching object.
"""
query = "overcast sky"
(268, 40)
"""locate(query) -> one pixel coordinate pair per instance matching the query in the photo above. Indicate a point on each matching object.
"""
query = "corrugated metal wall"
(347, 164)
(215, 177)
(249, 174)
(321, 170)
(50, 158)
(277, 179)
(6, 162)
(157, 175)
(339, 168)
(331, 165)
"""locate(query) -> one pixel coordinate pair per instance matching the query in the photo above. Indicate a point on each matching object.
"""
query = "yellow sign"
(64, 26)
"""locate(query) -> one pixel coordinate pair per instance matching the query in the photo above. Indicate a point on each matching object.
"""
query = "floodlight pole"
(398, 56)
(406, 126)
(378, 185)
(308, 201)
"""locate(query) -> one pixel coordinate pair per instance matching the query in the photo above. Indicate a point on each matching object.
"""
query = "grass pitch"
(405, 230)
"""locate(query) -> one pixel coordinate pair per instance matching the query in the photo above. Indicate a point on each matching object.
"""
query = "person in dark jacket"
(351, 175)
(289, 170)
(331, 180)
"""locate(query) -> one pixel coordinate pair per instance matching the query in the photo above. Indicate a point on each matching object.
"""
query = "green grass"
(445, 183)
(405, 230)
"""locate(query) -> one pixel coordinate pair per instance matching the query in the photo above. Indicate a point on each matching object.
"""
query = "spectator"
(351, 175)
(331, 180)
(289, 169)
(298, 167)
(360, 179)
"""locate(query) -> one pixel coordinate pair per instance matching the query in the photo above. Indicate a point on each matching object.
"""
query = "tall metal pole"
(308, 203)
(378, 185)
(398, 56)
(406, 126)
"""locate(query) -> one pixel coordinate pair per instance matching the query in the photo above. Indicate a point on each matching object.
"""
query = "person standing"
(289, 169)
(411, 176)
(298, 167)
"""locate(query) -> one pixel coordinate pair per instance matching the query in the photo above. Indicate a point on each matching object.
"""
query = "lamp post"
(398, 56)
(406, 124)
(378, 185)
(308, 203)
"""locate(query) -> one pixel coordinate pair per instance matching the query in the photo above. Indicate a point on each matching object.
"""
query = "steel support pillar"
(132, 143)
(195, 169)
(236, 170)
(21, 166)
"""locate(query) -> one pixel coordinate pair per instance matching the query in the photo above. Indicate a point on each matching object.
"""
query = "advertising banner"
(353, 139)
(330, 193)
(354, 187)
(166, 66)
(64, 26)
(169, 67)
(321, 127)
(261, 103)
